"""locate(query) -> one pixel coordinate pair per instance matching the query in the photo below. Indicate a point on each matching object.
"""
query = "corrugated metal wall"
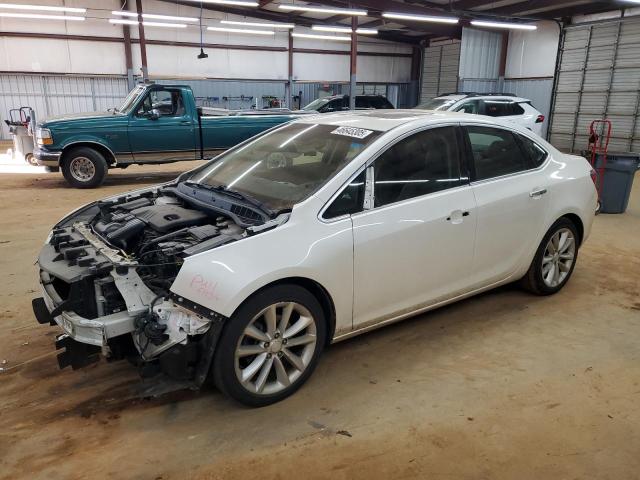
(440, 69)
(52, 95)
(479, 85)
(538, 90)
(599, 77)
(232, 94)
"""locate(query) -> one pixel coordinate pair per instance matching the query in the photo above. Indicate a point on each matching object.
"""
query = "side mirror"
(153, 114)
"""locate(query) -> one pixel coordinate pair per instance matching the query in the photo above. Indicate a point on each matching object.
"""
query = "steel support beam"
(354, 63)
(143, 45)
(128, 59)
(502, 67)
(289, 85)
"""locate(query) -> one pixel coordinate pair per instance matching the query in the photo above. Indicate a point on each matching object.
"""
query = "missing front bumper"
(75, 354)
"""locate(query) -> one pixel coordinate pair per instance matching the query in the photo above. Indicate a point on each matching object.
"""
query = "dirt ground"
(500, 386)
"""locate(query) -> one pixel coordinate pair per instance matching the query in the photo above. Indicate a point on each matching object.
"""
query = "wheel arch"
(105, 151)
(577, 221)
(316, 289)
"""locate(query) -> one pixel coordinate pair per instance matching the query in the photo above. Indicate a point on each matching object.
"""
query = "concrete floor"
(501, 386)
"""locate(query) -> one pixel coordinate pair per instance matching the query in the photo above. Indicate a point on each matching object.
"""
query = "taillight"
(594, 177)
(540, 119)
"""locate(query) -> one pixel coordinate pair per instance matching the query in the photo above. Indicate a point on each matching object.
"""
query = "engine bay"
(107, 270)
(158, 232)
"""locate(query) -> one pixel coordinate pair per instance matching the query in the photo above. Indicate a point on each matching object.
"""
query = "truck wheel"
(84, 167)
(30, 159)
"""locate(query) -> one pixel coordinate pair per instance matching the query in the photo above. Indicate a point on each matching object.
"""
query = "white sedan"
(245, 269)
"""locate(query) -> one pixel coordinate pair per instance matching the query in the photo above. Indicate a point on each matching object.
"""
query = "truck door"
(161, 129)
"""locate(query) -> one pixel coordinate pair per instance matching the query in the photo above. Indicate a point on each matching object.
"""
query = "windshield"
(131, 99)
(286, 165)
(316, 104)
(437, 103)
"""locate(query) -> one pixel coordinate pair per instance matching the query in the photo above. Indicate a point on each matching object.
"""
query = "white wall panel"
(62, 56)
(384, 69)
(533, 54)
(320, 67)
(182, 62)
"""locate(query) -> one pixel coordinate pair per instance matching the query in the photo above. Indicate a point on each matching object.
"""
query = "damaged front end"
(106, 274)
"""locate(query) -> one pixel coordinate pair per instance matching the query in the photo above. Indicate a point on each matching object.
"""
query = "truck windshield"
(131, 99)
(286, 165)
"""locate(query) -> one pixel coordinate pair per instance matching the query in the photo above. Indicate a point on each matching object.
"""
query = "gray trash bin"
(618, 180)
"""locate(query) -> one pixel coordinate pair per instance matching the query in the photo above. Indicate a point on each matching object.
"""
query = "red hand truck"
(598, 145)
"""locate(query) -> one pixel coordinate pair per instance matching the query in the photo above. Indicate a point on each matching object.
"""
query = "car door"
(162, 129)
(413, 243)
(511, 197)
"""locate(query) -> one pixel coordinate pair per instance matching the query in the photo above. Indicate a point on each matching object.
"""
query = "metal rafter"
(302, 21)
(524, 7)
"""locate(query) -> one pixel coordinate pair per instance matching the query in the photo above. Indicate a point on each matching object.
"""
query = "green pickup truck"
(155, 124)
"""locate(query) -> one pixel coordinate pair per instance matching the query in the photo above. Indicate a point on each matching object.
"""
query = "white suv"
(515, 109)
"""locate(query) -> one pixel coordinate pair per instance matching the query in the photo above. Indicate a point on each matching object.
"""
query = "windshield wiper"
(234, 193)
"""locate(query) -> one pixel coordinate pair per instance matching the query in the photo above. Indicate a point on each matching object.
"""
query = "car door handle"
(456, 216)
(185, 122)
(537, 193)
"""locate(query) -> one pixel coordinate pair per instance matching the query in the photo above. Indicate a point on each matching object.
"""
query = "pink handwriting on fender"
(204, 287)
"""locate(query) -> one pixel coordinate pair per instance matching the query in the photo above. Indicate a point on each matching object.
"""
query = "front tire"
(84, 167)
(555, 259)
(270, 346)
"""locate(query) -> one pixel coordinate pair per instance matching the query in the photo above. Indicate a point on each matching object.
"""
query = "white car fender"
(222, 278)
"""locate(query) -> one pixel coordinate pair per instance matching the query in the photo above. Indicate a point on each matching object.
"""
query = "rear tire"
(84, 167)
(270, 346)
(554, 260)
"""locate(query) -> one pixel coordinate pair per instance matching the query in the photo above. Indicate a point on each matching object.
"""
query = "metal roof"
(411, 31)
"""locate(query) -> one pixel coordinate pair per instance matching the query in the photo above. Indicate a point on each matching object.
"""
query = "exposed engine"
(158, 232)
(107, 269)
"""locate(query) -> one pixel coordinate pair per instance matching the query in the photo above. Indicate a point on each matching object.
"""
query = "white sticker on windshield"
(352, 132)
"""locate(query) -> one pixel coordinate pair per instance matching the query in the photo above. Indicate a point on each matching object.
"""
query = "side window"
(472, 106)
(423, 163)
(363, 102)
(349, 201)
(498, 108)
(380, 102)
(536, 154)
(495, 152)
(168, 103)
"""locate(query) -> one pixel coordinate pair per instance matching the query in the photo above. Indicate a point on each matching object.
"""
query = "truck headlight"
(44, 137)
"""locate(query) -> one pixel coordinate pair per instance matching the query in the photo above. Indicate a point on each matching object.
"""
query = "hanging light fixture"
(201, 55)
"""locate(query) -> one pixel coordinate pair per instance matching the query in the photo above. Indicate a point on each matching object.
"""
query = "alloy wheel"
(275, 348)
(558, 257)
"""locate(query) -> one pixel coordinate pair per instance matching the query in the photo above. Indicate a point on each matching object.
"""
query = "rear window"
(537, 155)
(502, 108)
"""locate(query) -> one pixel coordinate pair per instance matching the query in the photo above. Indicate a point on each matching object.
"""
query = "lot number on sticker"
(352, 132)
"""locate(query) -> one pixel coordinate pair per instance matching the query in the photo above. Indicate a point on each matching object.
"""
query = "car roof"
(333, 97)
(384, 120)
(487, 96)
